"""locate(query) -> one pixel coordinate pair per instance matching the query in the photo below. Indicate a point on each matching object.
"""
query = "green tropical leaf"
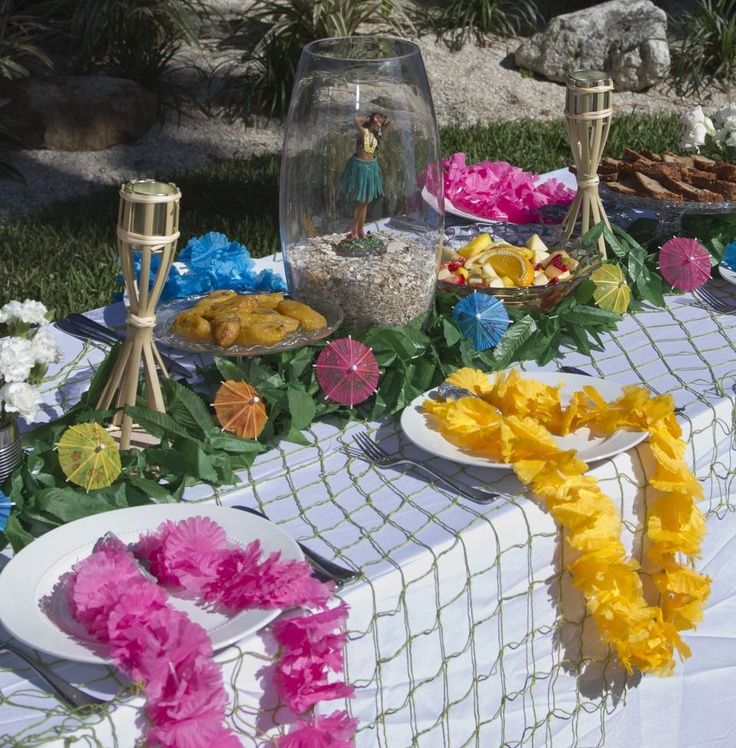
(229, 369)
(17, 535)
(451, 333)
(68, 504)
(302, 407)
(187, 407)
(154, 490)
(155, 423)
(511, 342)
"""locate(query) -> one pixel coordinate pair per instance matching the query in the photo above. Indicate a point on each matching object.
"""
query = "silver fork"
(68, 693)
(379, 457)
(709, 299)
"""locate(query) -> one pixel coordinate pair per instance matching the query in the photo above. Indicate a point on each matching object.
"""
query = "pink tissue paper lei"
(500, 191)
(150, 641)
(193, 554)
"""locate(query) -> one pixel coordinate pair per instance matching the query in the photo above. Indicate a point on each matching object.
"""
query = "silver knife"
(68, 693)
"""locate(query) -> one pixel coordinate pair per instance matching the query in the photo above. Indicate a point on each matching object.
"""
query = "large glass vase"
(361, 204)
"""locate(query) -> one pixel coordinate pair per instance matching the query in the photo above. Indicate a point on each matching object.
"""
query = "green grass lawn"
(65, 256)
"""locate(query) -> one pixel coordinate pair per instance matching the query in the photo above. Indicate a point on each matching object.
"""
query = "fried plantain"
(225, 331)
(308, 318)
(268, 332)
(271, 300)
(216, 297)
(192, 325)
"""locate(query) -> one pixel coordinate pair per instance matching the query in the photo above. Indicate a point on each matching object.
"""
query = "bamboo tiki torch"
(587, 121)
(148, 224)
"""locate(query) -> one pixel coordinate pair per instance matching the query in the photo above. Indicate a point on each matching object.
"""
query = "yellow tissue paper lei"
(513, 419)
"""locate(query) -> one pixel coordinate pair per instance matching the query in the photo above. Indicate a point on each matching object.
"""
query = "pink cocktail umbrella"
(347, 371)
(684, 263)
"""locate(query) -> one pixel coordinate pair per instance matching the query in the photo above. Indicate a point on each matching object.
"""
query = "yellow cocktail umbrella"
(89, 456)
(611, 291)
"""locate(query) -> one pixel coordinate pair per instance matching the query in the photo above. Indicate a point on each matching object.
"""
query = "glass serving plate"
(166, 314)
(532, 298)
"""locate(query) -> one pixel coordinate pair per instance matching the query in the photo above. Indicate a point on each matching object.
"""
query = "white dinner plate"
(30, 576)
(727, 274)
(415, 424)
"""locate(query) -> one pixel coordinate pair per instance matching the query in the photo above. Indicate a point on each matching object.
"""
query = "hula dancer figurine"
(361, 179)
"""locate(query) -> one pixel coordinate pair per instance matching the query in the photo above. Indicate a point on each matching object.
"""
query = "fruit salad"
(497, 264)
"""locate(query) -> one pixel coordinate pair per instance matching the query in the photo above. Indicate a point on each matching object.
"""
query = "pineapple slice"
(476, 246)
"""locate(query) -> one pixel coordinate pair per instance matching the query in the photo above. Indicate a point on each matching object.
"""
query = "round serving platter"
(165, 334)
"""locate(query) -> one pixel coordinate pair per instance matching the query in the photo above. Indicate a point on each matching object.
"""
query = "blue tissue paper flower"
(729, 256)
(210, 262)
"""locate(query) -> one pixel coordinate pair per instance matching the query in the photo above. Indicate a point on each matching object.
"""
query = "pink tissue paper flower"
(93, 589)
(193, 554)
(499, 191)
(311, 649)
(185, 553)
(301, 681)
(334, 731)
(193, 734)
(243, 581)
(316, 634)
(192, 691)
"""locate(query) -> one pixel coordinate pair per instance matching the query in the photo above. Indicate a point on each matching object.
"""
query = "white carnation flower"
(28, 311)
(16, 359)
(731, 140)
(45, 348)
(725, 113)
(697, 126)
(21, 398)
(693, 117)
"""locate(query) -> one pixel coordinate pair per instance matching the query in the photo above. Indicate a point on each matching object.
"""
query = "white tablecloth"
(463, 631)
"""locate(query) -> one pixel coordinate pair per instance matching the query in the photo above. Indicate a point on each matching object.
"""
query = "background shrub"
(22, 30)
(271, 35)
(134, 39)
(460, 20)
(707, 54)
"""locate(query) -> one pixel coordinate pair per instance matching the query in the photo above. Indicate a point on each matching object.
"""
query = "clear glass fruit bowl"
(532, 298)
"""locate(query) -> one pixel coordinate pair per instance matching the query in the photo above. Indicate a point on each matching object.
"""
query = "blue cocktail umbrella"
(5, 504)
(482, 318)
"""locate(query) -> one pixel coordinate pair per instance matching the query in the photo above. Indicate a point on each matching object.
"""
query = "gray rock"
(80, 113)
(626, 38)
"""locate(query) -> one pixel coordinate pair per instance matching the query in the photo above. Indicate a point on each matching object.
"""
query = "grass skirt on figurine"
(361, 180)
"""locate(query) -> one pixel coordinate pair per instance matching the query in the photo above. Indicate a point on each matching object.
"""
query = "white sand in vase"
(387, 286)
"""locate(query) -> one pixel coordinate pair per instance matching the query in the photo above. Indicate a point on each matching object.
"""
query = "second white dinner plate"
(30, 576)
(727, 274)
(415, 423)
